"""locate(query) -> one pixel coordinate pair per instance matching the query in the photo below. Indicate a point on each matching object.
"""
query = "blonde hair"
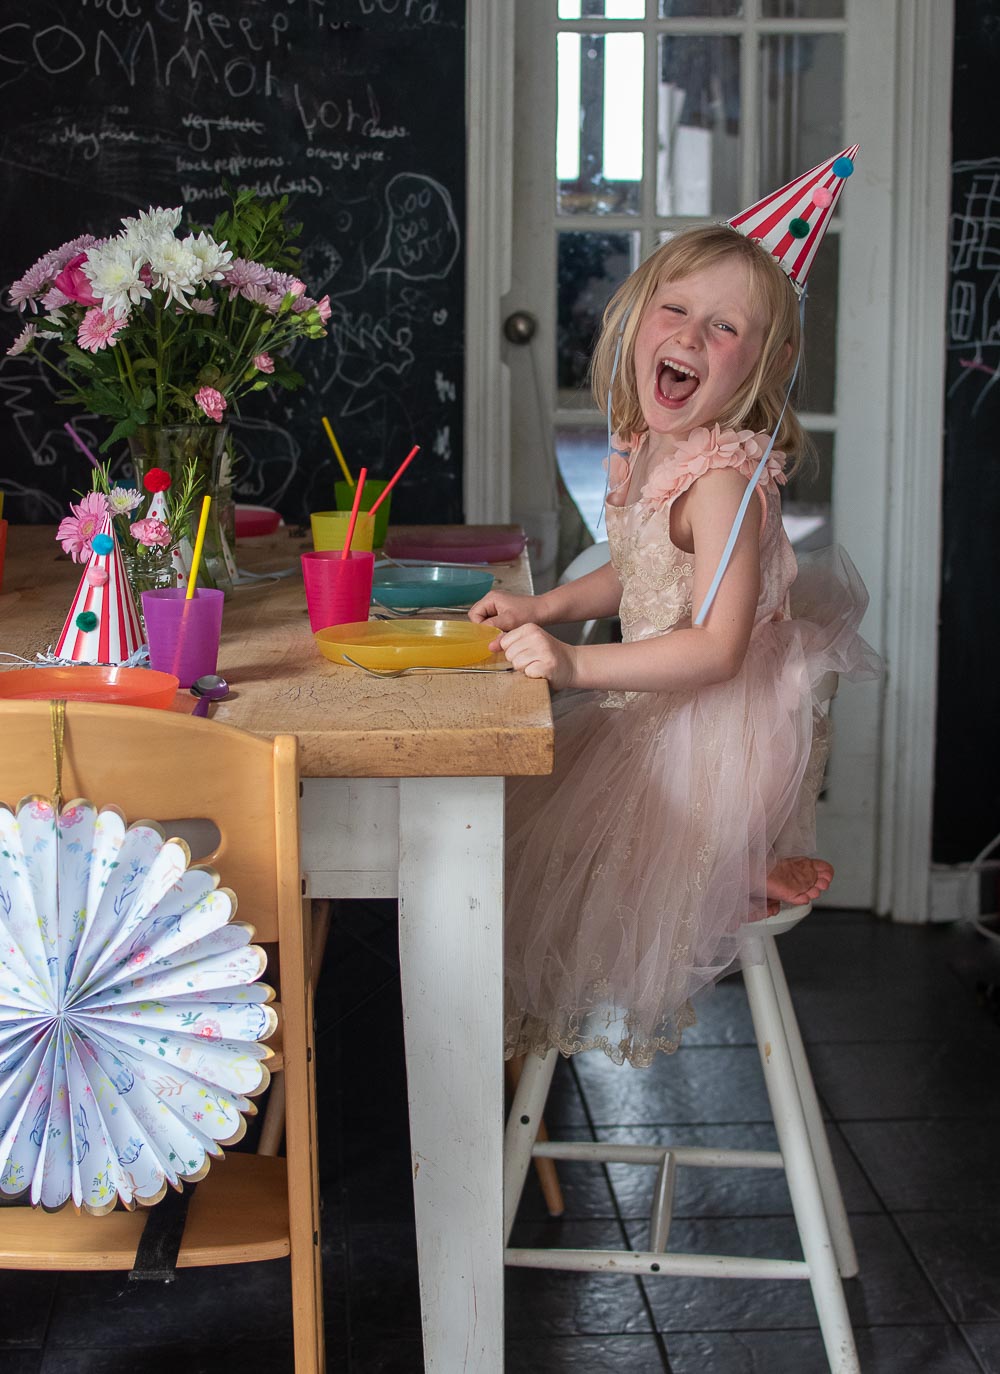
(757, 403)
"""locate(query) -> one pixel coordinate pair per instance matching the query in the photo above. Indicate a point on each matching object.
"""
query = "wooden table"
(402, 797)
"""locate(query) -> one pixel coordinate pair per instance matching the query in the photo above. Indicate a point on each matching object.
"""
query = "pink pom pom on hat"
(790, 222)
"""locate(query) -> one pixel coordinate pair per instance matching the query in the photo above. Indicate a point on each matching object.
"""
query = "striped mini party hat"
(103, 623)
(790, 223)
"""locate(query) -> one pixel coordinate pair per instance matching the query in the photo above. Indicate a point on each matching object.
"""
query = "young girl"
(690, 774)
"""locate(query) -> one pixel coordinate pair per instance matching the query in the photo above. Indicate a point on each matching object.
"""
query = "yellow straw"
(336, 448)
(1, 505)
(199, 544)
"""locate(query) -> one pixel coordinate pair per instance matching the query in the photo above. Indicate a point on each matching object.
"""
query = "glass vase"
(172, 448)
(148, 570)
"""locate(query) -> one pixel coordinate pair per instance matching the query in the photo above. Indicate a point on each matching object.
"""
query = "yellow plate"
(408, 643)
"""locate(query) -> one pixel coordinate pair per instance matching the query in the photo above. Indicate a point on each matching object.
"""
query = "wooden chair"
(161, 765)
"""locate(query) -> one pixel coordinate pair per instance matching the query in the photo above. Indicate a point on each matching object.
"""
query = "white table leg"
(451, 964)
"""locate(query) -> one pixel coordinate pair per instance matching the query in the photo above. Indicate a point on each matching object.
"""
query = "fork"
(397, 612)
(423, 668)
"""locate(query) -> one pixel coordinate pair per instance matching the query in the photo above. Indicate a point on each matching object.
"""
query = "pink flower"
(242, 273)
(73, 282)
(150, 531)
(324, 307)
(212, 402)
(23, 340)
(209, 1030)
(98, 328)
(264, 362)
(77, 530)
(201, 307)
(284, 282)
(713, 448)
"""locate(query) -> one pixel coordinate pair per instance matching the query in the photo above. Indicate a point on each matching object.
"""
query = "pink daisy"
(212, 402)
(98, 328)
(78, 528)
(23, 339)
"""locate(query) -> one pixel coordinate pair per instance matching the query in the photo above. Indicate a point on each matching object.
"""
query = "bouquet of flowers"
(157, 326)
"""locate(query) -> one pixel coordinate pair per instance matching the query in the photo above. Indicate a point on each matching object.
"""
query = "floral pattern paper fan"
(130, 1014)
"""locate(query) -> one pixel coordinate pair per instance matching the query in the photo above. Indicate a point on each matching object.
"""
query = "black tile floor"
(905, 1048)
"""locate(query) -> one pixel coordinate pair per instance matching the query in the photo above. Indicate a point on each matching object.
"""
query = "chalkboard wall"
(967, 781)
(355, 109)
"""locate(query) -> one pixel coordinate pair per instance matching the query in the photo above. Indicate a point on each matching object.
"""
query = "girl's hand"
(537, 654)
(504, 610)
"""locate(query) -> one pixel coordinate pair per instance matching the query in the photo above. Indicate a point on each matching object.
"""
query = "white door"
(634, 118)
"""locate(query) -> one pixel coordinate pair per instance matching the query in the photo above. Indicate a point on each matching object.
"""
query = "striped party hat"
(790, 223)
(103, 624)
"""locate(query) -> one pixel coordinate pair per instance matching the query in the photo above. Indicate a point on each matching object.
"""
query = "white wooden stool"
(804, 1154)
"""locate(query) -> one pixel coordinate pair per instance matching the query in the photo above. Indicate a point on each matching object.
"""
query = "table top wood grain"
(348, 723)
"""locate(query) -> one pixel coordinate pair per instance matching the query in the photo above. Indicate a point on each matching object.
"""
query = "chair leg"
(522, 1129)
(800, 1169)
(833, 1201)
(548, 1175)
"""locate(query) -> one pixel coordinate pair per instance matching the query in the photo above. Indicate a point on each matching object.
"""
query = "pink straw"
(79, 443)
(395, 477)
(354, 513)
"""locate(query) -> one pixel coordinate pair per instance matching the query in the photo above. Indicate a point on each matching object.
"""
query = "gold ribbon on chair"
(57, 712)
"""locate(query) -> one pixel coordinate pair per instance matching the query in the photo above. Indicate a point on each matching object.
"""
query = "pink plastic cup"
(338, 589)
(183, 634)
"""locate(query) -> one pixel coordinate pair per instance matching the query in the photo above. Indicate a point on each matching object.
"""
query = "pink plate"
(457, 543)
(253, 520)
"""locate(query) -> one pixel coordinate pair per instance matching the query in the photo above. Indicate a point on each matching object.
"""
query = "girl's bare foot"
(797, 881)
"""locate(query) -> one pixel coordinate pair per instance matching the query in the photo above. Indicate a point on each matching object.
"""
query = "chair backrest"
(161, 765)
(591, 558)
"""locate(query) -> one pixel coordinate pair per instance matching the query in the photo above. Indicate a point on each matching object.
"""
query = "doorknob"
(520, 327)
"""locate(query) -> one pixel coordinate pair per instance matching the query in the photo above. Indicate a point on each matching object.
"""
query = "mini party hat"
(790, 223)
(103, 624)
(181, 550)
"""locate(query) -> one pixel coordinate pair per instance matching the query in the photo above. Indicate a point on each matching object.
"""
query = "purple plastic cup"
(338, 589)
(183, 634)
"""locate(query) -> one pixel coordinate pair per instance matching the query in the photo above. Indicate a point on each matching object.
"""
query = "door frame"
(917, 262)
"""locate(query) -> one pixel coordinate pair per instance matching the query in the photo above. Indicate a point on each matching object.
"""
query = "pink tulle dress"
(632, 868)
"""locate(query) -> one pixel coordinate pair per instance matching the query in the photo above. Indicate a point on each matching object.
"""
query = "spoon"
(211, 687)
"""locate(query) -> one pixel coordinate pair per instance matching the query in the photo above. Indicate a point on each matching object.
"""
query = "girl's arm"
(590, 597)
(680, 660)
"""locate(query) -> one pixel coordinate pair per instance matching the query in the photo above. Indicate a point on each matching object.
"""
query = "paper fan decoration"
(103, 623)
(130, 1018)
(790, 222)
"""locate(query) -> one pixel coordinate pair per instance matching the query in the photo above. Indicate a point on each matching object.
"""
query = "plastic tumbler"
(344, 496)
(329, 529)
(183, 634)
(338, 589)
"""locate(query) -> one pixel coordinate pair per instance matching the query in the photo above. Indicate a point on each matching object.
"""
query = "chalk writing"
(352, 108)
(974, 299)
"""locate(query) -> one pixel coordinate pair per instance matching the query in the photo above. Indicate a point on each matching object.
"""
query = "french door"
(636, 118)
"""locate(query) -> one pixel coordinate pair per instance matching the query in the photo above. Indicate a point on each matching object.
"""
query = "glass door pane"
(698, 125)
(599, 123)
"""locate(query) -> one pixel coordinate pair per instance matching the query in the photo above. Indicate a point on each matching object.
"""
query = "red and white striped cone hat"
(103, 623)
(790, 223)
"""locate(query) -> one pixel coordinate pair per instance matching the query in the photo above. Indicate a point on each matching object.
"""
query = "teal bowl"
(412, 588)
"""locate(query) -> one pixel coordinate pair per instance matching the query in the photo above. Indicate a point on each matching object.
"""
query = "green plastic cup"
(344, 497)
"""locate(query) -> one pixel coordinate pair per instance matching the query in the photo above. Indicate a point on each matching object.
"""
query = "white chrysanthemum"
(176, 270)
(122, 500)
(213, 257)
(152, 224)
(114, 273)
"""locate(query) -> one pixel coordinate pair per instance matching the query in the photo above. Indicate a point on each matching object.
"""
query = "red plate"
(458, 544)
(253, 520)
(123, 686)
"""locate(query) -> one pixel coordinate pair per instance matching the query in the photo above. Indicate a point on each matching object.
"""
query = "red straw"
(354, 513)
(395, 477)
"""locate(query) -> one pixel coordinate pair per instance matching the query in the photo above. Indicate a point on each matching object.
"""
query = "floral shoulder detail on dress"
(705, 449)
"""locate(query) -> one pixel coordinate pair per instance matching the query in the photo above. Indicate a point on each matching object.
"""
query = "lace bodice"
(656, 575)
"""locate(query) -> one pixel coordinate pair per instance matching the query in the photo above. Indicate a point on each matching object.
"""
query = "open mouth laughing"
(675, 382)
